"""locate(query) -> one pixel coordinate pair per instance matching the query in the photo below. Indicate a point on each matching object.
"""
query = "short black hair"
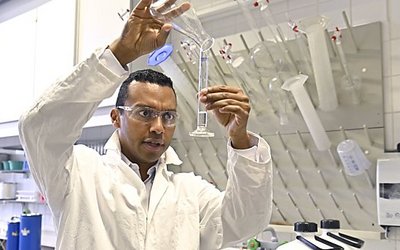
(146, 76)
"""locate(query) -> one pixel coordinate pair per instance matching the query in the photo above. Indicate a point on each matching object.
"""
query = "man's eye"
(146, 113)
(169, 116)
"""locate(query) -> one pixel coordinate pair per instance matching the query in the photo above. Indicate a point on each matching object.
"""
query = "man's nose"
(157, 125)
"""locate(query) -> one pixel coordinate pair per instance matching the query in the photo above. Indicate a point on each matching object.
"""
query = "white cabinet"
(54, 51)
(17, 50)
(99, 25)
(37, 46)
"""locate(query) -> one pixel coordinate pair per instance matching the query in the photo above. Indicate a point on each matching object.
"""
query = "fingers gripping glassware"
(184, 20)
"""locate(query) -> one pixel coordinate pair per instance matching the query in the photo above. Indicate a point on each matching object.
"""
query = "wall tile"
(389, 145)
(396, 128)
(386, 58)
(394, 18)
(387, 95)
(366, 11)
(395, 53)
(396, 93)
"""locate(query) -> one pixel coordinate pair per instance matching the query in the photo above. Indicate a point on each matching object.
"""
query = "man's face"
(144, 142)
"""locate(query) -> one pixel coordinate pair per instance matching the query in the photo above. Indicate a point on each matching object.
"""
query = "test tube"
(302, 48)
(202, 118)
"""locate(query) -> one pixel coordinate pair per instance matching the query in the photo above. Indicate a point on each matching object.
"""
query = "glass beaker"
(186, 22)
(266, 58)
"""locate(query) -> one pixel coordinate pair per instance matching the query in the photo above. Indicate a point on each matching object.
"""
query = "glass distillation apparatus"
(188, 24)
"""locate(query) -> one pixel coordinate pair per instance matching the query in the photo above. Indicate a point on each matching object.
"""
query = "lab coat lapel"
(113, 155)
(160, 186)
(161, 180)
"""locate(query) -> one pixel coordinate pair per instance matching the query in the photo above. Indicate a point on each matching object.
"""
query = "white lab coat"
(97, 201)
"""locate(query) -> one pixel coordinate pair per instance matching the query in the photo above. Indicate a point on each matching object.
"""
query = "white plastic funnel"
(310, 116)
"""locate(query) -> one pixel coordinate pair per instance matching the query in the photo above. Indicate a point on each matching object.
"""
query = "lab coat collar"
(161, 179)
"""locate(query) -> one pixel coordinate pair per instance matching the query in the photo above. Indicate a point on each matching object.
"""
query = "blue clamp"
(160, 55)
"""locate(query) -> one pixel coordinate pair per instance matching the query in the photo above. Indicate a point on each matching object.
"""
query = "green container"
(16, 165)
(1, 165)
(6, 165)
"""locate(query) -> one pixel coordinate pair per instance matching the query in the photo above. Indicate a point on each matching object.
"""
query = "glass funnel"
(186, 23)
(266, 58)
(184, 20)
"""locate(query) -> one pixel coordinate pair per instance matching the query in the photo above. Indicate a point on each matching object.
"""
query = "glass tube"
(302, 48)
(350, 83)
(202, 118)
(279, 99)
(240, 72)
(277, 33)
(245, 6)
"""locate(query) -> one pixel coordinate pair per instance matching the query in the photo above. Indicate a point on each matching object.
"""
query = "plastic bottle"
(13, 234)
(330, 231)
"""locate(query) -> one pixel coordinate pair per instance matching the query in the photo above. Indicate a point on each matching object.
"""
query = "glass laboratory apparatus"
(350, 83)
(270, 57)
(268, 61)
(188, 24)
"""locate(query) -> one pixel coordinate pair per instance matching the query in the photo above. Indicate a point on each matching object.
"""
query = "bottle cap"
(330, 224)
(305, 227)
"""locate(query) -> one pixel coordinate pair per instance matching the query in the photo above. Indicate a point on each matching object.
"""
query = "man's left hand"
(231, 108)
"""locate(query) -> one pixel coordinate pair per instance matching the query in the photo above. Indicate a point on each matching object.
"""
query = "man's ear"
(115, 118)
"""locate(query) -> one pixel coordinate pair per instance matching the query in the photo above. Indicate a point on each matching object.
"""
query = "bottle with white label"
(330, 231)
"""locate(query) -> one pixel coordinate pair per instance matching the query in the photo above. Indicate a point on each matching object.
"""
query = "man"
(127, 199)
